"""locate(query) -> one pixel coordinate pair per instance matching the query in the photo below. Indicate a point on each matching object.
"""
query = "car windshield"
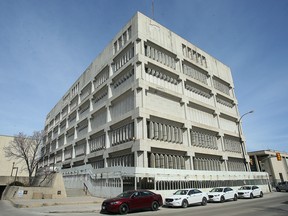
(125, 194)
(181, 192)
(217, 190)
(245, 188)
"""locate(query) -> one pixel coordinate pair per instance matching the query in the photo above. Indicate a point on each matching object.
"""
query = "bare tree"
(26, 148)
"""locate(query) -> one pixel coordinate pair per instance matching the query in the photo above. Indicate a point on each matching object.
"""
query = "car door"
(135, 201)
(228, 193)
(256, 190)
(192, 197)
(198, 196)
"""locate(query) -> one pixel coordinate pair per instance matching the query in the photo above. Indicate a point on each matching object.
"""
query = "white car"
(221, 194)
(249, 191)
(186, 197)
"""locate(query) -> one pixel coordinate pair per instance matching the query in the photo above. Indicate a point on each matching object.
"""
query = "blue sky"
(45, 45)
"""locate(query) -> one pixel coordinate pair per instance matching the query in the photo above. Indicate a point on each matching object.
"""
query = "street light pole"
(240, 137)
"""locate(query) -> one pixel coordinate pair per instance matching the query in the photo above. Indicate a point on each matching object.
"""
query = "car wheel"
(222, 199)
(204, 201)
(251, 196)
(235, 197)
(277, 189)
(184, 203)
(261, 194)
(155, 206)
(123, 209)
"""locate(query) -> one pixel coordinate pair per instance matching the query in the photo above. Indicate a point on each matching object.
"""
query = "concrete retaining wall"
(54, 190)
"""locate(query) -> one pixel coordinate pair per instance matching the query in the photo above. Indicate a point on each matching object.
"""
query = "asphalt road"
(273, 204)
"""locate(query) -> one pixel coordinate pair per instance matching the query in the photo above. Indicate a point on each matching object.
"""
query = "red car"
(132, 200)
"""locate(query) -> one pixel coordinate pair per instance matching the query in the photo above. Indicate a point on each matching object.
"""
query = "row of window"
(123, 78)
(166, 161)
(204, 140)
(194, 55)
(80, 150)
(207, 164)
(161, 75)
(150, 183)
(123, 59)
(236, 165)
(175, 185)
(97, 164)
(164, 132)
(122, 134)
(101, 78)
(232, 145)
(225, 88)
(122, 40)
(101, 95)
(123, 161)
(97, 143)
(195, 73)
(224, 102)
(160, 56)
(197, 91)
(156, 131)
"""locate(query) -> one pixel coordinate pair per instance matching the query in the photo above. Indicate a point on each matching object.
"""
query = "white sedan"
(249, 191)
(221, 194)
(185, 197)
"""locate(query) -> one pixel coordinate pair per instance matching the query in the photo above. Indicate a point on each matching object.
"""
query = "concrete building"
(267, 161)
(151, 111)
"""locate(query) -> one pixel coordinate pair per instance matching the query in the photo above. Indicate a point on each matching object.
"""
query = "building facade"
(151, 111)
(273, 162)
(10, 170)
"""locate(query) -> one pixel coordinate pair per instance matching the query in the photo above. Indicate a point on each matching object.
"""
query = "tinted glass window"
(146, 193)
(190, 192)
(181, 192)
(217, 190)
(227, 189)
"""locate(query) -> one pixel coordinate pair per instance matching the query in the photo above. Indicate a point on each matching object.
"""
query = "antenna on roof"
(153, 9)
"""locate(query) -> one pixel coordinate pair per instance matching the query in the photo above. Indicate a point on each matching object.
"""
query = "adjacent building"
(10, 170)
(151, 111)
(273, 162)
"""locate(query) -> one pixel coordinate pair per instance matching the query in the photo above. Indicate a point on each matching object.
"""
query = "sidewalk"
(63, 205)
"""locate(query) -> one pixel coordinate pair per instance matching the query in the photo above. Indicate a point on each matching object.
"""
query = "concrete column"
(73, 151)
(190, 163)
(107, 138)
(89, 125)
(62, 157)
(225, 165)
(145, 159)
(136, 162)
(87, 146)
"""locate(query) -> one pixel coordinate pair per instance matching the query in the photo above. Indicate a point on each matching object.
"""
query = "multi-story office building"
(151, 111)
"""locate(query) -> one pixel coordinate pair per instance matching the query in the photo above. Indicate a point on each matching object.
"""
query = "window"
(146, 193)
(191, 192)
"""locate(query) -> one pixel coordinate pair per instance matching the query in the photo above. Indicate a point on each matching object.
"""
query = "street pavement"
(273, 204)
